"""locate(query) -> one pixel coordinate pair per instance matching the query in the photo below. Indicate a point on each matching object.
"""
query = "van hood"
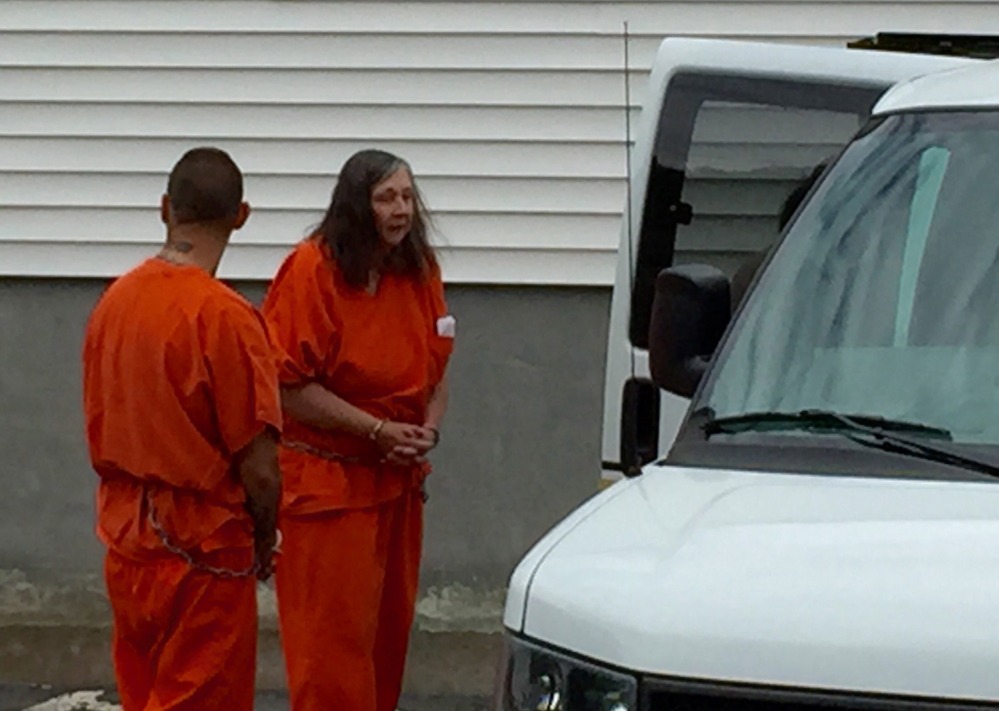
(880, 585)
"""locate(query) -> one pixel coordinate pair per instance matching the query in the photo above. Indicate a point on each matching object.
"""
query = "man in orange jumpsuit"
(183, 417)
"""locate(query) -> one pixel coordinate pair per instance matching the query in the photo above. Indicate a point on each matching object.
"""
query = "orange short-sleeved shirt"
(179, 376)
(384, 353)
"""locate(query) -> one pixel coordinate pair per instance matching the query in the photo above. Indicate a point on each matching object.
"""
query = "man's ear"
(165, 209)
(242, 215)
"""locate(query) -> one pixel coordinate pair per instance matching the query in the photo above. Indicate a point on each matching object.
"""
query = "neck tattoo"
(177, 253)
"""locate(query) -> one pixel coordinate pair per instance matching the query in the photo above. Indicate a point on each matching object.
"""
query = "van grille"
(681, 695)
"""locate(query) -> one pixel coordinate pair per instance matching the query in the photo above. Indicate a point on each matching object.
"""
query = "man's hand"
(257, 466)
(263, 555)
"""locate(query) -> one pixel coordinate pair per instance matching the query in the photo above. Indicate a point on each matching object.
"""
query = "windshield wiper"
(866, 430)
(816, 420)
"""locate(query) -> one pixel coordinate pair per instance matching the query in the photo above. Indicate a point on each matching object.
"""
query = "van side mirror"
(690, 312)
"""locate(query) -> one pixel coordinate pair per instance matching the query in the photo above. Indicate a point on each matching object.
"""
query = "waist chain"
(336, 457)
(326, 454)
(187, 556)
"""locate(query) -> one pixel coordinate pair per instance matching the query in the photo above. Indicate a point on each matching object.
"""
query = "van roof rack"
(979, 46)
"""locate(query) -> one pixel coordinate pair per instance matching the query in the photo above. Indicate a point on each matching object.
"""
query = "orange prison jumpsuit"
(179, 375)
(352, 528)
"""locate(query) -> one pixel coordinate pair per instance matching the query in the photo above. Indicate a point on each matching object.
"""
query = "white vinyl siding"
(512, 115)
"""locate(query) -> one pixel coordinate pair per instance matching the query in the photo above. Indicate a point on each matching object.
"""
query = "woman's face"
(393, 204)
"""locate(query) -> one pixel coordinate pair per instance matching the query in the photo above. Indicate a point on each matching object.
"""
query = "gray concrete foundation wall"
(520, 449)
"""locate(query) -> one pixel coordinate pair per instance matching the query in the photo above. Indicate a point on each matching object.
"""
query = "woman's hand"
(404, 444)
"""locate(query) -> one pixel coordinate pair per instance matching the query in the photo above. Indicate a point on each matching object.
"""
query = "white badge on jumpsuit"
(446, 326)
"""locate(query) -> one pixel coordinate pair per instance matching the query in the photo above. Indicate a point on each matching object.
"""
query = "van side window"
(729, 150)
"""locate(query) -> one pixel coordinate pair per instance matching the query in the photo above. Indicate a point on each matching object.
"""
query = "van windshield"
(883, 298)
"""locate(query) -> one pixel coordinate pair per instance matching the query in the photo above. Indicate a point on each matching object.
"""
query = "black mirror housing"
(690, 312)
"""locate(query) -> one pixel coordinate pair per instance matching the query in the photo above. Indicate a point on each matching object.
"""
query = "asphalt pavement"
(35, 697)
(23, 697)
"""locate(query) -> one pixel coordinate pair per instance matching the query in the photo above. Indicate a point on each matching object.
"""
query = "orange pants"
(182, 639)
(346, 590)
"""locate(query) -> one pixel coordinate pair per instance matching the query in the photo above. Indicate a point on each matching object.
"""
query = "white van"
(727, 131)
(822, 529)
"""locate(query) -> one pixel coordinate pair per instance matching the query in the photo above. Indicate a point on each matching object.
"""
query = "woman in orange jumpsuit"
(358, 308)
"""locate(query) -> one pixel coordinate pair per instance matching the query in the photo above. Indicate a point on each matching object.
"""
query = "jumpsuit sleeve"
(443, 327)
(299, 314)
(243, 375)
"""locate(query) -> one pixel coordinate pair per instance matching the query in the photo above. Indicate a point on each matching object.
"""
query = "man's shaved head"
(206, 185)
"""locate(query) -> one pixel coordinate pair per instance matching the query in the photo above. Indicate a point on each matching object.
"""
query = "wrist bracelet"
(376, 429)
(437, 435)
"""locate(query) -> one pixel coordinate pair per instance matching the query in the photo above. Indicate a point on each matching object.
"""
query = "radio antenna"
(627, 165)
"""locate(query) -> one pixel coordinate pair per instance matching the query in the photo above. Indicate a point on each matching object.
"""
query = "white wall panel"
(199, 121)
(511, 113)
(322, 157)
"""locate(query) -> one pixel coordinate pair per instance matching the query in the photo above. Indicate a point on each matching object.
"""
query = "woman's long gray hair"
(348, 228)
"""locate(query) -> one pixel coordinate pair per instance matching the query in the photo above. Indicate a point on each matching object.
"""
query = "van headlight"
(533, 678)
